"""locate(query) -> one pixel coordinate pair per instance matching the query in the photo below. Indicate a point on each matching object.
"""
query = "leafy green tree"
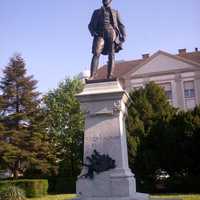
(175, 143)
(23, 139)
(148, 106)
(184, 150)
(161, 138)
(65, 125)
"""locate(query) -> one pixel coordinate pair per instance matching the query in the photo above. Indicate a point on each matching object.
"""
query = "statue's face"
(106, 3)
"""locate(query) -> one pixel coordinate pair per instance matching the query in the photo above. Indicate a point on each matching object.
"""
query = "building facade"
(179, 75)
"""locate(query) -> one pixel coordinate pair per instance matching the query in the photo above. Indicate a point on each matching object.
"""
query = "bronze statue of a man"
(109, 34)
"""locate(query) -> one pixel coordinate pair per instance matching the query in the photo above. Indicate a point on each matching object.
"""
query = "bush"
(175, 184)
(145, 185)
(186, 184)
(62, 185)
(32, 188)
(12, 193)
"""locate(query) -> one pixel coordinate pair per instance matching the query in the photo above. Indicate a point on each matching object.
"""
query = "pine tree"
(24, 142)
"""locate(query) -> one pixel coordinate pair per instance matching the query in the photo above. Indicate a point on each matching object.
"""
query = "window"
(189, 91)
(168, 90)
(189, 94)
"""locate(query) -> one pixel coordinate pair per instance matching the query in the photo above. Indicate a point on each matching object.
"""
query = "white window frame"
(189, 98)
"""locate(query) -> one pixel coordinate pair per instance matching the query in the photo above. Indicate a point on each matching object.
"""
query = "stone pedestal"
(104, 106)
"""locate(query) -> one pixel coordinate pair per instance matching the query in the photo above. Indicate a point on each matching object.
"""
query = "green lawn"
(178, 196)
(56, 197)
(70, 196)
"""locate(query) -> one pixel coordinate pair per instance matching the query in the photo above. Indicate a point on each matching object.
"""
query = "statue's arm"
(92, 24)
(121, 27)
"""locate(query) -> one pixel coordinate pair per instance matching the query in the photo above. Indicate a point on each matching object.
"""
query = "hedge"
(31, 187)
(12, 193)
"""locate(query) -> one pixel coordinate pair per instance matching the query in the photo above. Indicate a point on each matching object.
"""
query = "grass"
(175, 196)
(179, 196)
(56, 197)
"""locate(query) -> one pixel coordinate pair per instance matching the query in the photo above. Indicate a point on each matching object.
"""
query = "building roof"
(125, 67)
(119, 70)
(193, 56)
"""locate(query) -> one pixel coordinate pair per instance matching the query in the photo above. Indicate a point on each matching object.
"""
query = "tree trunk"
(16, 169)
(16, 174)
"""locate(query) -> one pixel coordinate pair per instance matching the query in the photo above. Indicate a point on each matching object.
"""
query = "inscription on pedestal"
(92, 143)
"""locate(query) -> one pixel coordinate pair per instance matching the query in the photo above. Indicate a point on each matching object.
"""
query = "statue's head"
(106, 3)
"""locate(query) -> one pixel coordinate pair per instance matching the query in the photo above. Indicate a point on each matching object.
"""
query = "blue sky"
(53, 38)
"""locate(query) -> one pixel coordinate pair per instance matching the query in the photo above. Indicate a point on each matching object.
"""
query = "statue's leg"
(111, 53)
(94, 64)
(111, 65)
(98, 45)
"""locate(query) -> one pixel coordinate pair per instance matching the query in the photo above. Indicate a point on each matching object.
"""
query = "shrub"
(32, 188)
(12, 193)
(185, 184)
(62, 185)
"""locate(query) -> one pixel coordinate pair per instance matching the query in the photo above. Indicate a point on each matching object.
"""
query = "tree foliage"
(23, 140)
(65, 125)
(148, 105)
(160, 137)
(183, 142)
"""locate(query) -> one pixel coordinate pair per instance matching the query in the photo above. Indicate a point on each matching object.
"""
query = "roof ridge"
(124, 67)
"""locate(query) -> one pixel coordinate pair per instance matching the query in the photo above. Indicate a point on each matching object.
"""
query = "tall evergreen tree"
(148, 107)
(24, 142)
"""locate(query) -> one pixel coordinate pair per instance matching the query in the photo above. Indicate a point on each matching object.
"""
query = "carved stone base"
(104, 106)
(117, 184)
(137, 196)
